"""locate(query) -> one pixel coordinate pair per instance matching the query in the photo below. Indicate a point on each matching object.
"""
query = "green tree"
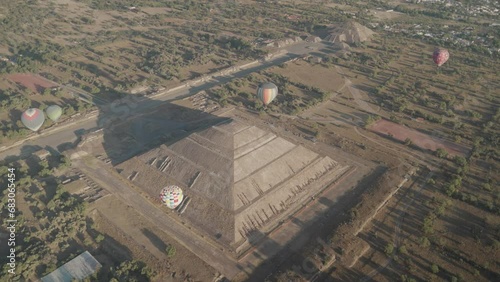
(99, 238)
(434, 268)
(318, 134)
(487, 186)
(46, 91)
(424, 242)
(408, 142)
(370, 120)
(495, 245)
(441, 153)
(64, 162)
(461, 161)
(389, 249)
(170, 250)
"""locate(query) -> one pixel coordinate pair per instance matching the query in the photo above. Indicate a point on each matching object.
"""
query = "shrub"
(170, 250)
(424, 242)
(434, 268)
(389, 249)
(99, 238)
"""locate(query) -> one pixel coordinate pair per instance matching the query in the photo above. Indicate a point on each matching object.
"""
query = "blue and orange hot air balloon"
(267, 92)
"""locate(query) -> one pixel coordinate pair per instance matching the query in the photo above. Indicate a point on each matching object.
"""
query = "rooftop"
(78, 268)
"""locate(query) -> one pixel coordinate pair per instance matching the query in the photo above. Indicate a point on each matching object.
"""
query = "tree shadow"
(194, 74)
(155, 240)
(66, 146)
(39, 88)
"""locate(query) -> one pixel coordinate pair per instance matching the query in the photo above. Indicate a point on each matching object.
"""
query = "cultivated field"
(31, 82)
(312, 74)
(403, 134)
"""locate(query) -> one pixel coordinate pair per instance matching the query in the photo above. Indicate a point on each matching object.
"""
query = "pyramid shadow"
(133, 125)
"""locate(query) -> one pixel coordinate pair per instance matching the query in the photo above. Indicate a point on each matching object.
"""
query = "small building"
(41, 154)
(78, 268)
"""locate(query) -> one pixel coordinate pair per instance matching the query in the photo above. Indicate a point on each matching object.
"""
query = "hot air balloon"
(171, 196)
(53, 112)
(440, 56)
(33, 118)
(267, 92)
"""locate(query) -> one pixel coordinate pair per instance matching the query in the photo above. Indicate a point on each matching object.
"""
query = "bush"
(495, 245)
(487, 187)
(441, 153)
(389, 249)
(424, 242)
(408, 142)
(434, 268)
(99, 238)
(371, 119)
(461, 161)
(170, 250)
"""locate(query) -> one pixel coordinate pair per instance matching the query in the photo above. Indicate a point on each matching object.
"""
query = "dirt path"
(356, 94)
(420, 160)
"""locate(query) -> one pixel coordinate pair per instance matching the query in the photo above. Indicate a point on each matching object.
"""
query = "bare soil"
(424, 141)
(31, 81)
(146, 242)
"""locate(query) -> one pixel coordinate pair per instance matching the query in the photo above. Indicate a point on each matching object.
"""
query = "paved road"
(56, 138)
(213, 256)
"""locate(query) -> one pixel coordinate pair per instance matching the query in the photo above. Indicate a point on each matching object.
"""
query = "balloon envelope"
(440, 56)
(171, 196)
(267, 92)
(33, 118)
(54, 112)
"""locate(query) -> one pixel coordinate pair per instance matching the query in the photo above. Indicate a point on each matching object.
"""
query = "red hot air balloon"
(440, 56)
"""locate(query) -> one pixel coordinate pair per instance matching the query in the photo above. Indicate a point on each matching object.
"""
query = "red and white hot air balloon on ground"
(440, 56)
(33, 118)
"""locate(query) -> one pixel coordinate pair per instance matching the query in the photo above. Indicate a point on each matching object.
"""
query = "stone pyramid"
(349, 32)
(238, 177)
